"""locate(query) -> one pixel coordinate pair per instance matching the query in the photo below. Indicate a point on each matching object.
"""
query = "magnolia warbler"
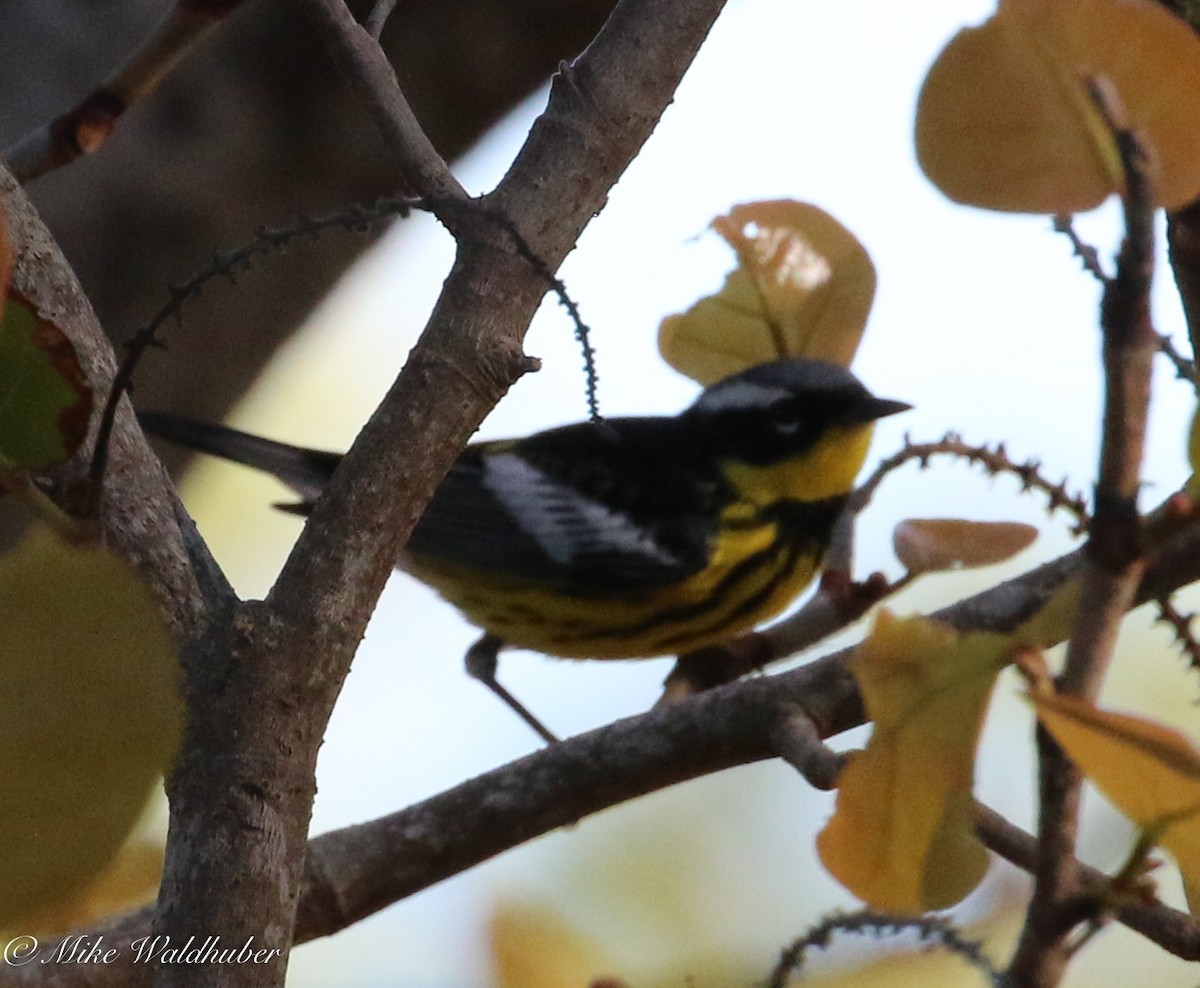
(628, 538)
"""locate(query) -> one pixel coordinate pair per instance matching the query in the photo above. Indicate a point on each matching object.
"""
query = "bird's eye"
(787, 425)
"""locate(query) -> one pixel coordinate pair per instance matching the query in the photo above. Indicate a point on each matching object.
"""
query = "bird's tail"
(306, 471)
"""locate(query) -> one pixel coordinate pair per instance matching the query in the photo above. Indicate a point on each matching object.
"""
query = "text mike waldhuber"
(207, 951)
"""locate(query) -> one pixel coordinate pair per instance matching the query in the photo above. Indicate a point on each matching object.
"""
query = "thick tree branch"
(138, 517)
(242, 792)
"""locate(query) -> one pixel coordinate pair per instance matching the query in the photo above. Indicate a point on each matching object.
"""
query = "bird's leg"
(481, 661)
(716, 665)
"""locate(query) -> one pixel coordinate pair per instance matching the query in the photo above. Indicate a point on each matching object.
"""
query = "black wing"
(589, 509)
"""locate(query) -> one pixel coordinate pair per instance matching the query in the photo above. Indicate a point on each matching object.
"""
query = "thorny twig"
(1181, 624)
(994, 459)
(229, 264)
(1087, 254)
(582, 332)
(930, 929)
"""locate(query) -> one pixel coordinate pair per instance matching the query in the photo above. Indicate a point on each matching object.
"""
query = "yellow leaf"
(803, 288)
(90, 720)
(929, 545)
(902, 836)
(536, 948)
(1151, 773)
(129, 883)
(1005, 121)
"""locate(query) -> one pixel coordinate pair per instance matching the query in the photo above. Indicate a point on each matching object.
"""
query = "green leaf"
(45, 400)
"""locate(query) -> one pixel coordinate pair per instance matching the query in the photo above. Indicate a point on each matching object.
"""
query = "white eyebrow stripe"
(564, 522)
(742, 395)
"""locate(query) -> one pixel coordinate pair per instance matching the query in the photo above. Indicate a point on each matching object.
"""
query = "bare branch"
(1185, 369)
(422, 168)
(140, 510)
(1087, 254)
(379, 16)
(1115, 559)
(1173, 930)
(85, 128)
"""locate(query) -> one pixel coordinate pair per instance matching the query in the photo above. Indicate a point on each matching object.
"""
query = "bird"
(629, 537)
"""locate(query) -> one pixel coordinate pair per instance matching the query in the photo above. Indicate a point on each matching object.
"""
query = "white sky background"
(983, 322)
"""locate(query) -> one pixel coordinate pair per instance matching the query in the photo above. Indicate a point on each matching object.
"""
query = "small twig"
(359, 54)
(84, 129)
(928, 928)
(799, 743)
(1087, 254)
(1185, 369)
(379, 16)
(994, 459)
(1181, 624)
(837, 604)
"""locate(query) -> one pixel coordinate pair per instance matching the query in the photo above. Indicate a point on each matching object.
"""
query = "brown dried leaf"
(931, 545)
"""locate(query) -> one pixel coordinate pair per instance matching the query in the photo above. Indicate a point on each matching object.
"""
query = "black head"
(779, 409)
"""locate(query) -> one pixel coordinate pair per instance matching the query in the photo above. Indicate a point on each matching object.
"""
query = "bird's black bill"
(880, 408)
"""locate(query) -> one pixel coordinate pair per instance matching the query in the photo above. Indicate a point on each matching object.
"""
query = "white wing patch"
(566, 524)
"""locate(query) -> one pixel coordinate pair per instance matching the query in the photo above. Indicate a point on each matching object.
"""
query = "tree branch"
(139, 510)
(242, 791)
(354, 872)
(84, 129)
(373, 77)
(1115, 560)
